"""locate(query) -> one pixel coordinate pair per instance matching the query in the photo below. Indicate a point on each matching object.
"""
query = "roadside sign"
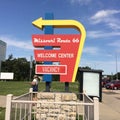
(69, 46)
(65, 53)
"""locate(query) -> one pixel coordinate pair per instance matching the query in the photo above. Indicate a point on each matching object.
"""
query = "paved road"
(2, 101)
(109, 107)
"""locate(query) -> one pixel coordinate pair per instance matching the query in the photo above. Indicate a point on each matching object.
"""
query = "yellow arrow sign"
(39, 23)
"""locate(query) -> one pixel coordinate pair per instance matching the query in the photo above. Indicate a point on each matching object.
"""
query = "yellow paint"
(66, 24)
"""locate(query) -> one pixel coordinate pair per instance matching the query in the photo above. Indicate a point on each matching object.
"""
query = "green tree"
(20, 67)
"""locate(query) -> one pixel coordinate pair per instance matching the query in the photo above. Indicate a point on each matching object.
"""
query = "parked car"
(115, 84)
(104, 82)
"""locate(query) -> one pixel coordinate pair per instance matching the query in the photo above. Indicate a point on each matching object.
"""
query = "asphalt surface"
(109, 108)
(110, 105)
(2, 101)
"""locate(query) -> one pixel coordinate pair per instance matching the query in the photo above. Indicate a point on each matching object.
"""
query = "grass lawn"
(2, 113)
(17, 88)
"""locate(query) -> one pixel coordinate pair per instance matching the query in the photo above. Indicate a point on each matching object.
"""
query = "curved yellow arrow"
(39, 23)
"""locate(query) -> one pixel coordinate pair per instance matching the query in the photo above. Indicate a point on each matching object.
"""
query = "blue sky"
(101, 19)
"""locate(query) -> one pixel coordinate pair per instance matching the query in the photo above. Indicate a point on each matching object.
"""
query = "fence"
(24, 108)
(91, 112)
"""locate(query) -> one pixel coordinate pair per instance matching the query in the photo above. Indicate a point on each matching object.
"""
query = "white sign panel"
(91, 83)
(7, 75)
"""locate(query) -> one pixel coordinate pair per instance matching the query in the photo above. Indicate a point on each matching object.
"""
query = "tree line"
(19, 66)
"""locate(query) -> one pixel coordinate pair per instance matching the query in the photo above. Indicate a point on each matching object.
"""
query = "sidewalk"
(110, 105)
(2, 101)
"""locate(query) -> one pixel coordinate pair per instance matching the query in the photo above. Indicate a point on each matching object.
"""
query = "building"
(2, 53)
(2, 50)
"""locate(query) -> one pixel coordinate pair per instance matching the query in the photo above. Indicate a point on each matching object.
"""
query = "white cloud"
(104, 14)
(108, 17)
(83, 2)
(108, 67)
(91, 50)
(17, 42)
(114, 25)
(101, 34)
(115, 43)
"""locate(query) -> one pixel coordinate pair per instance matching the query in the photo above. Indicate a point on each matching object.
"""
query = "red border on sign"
(62, 69)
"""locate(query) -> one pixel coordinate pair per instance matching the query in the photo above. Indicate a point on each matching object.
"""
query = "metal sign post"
(48, 30)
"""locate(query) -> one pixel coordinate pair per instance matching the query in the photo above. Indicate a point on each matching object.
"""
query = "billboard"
(2, 50)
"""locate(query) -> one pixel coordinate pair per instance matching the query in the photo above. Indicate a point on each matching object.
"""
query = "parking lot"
(110, 105)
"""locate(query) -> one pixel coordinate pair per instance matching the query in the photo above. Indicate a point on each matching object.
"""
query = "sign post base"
(47, 86)
(66, 86)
